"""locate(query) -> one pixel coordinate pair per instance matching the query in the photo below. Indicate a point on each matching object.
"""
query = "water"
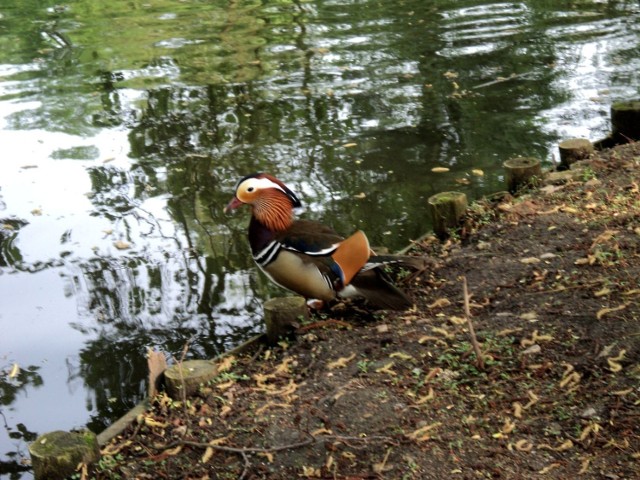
(126, 124)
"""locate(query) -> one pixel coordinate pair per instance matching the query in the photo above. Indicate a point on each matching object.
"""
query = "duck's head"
(271, 201)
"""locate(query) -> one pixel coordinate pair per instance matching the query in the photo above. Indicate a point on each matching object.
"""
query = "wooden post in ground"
(282, 314)
(522, 172)
(625, 121)
(57, 454)
(446, 209)
(184, 379)
(573, 150)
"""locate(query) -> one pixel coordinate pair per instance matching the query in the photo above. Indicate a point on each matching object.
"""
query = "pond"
(124, 126)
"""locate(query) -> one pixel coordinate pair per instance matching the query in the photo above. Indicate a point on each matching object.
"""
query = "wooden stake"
(184, 378)
(625, 121)
(57, 454)
(573, 150)
(281, 314)
(446, 209)
(157, 364)
(522, 172)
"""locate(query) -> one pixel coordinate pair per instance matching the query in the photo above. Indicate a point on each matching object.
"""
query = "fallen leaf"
(425, 398)
(605, 311)
(458, 320)
(508, 426)
(348, 455)
(121, 245)
(445, 333)
(153, 423)
(533, 399)
(439, 169)
(548, 468)
(613, 362)
(387, 369)
(208, 453)
(329, 463)
(422, 433)
(529, 260)
(508, 331)
(517, 409)
(622, 393)
(591, 428)
(529, 317)
(350, 145)
(226, 385)
(401, 356)
(440, 303)
(477, 172)
(267, 455)
(431, 338)
(286, 390)
(566, 209)
(269, 405)
(535, 338)
(564, 446)
(523, 446)
(226, 363)
(311, 472)
(584, 466)
(283, 367)
(603, 237)
(341, 362)
(15, 370)
(571, 380)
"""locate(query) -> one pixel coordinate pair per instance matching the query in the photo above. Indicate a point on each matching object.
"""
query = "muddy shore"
(554, 296)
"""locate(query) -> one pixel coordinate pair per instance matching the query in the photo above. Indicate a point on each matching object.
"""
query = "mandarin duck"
(310, 258)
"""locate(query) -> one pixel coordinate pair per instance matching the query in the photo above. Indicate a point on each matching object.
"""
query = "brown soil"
(554, 299)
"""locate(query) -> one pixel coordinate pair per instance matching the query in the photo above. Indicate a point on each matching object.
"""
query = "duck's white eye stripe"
(261, 183)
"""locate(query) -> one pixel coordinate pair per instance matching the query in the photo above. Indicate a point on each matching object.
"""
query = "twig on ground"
(472, 332)
(245, 451)
(183, 393)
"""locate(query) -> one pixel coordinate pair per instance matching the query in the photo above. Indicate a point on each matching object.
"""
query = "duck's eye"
(250, 189)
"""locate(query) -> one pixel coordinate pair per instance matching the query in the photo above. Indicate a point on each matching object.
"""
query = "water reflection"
(126, 126)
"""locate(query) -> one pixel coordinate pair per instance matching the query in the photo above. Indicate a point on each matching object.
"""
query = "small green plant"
(588, 174)
(363, 366)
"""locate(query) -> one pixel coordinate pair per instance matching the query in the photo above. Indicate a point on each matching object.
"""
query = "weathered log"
(281, 314)
(522, 172)
(157, 364)
(185, 378)
(573, 150)
(57, 454)
(625, 121)
(446, 209)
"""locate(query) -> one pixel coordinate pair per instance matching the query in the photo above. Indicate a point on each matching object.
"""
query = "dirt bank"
(553, 278)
